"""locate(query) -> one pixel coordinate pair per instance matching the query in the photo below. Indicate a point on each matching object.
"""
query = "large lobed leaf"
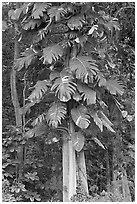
(84, 67)
(100, 119)
(87, 93)
(38, 9)
(27, 57)
(76, 22)
(80, 116)
(64, 86)
(56, 12)
(40, 89)
(32, 24)
(55, 114)
(114, 86)
(52, 53)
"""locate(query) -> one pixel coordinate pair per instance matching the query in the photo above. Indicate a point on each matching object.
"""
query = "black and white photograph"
(68, 101)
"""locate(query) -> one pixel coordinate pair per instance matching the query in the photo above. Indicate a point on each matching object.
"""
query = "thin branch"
(128, 7)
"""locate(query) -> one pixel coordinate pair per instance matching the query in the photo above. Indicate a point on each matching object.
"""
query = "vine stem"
(128, 7)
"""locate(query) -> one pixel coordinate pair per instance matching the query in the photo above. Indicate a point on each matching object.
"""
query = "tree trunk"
(72, 171)
(65, 170)
(82, 171)
(14, 97)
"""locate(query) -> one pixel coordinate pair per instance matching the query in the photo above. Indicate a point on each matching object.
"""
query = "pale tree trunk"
(72, 171)
(65, 169)
(15, 101)
(82, 171)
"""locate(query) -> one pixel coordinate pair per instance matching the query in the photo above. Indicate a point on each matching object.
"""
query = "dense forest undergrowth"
(68, 102)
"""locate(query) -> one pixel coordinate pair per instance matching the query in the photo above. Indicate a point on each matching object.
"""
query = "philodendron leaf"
(56, 112)
(77, 140)
(25, 59)
(105, 121)
(97, 120)
(88, 94)
(38, 9)
(76, 22)
(52, 53)
(40, 89)
(64, 86)
(56, 12)
(80, 116)
(114, 86)
(84, 67)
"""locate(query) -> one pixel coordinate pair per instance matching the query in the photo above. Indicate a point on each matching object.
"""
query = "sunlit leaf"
(40, 89)
(114, 86)
(26, 59)
(38, 9)
(80, 116)
(98, 142)
(64, 86)
(76, 22)
(56, 12)
(88, 94)
(84, 67)
(55, 114)
(52, 53)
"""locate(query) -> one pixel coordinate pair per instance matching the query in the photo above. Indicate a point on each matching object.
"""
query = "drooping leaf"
(52, 53)
(114, 86)
(98, 142)
(27, 57)
(97, 120)
(76, 22)
(55, 114)
(39, 119)
(56, 12)
(40, 89)
(87, 93)
(84, 67)
(105, 121)
(78, 141)
(32, 24)
(38, 9)
(80, 116)
(64, 86)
